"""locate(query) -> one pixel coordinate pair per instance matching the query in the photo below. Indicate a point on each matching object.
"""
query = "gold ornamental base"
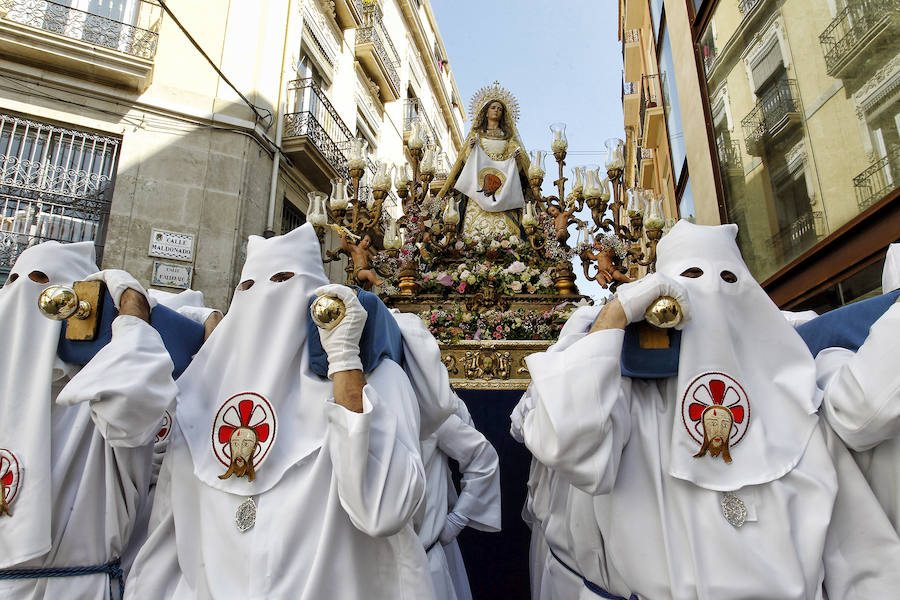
(490, 365)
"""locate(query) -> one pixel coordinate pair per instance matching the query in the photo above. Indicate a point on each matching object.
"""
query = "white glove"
(341, 344)
(517, 417)
(452, 527)
(117, 281)
(635, 297)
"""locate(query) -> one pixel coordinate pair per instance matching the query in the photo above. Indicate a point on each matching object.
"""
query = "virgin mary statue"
(490, 173)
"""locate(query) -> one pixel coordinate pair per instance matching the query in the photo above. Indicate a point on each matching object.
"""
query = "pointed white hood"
(254, 370)
(738, 355)
(26, 373)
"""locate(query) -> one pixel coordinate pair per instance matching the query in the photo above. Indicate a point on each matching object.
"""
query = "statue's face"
(717, 426)
(365, 242)
(243, 442)
(553, 211)
(495, 110)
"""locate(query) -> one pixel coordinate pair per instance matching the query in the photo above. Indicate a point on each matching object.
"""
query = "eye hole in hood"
(281, 276)
(728, 276)
(38, 277)
(692, 272)
(245, 285)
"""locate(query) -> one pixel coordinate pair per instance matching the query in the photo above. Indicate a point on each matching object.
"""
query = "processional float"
(493, 295)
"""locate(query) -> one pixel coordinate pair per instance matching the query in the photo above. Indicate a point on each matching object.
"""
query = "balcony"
(651, 113)
(776, 112)
(631, 104)
(55, 184)
(632, 55)
(646, 168)
(348, 13)
(634, 13)
(856, 29)
(793, 240)
(730, 160)
(116, 45)
(878, 180)
(377, 55)
(315, 137)
(747, 6)
(413, 111)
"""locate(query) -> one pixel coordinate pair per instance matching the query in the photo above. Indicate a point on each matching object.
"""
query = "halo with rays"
(488, 93)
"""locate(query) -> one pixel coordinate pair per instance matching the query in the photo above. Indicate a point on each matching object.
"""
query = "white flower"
(517, 267)
(516, 286)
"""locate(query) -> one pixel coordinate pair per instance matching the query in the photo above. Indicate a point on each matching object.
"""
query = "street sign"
(168, 244)
(172, 275)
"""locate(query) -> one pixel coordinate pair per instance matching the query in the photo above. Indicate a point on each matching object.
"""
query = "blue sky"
(561, 58)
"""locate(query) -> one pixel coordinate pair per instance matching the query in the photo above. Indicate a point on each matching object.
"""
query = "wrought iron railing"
(853, 27)
(879, 179)
(632, 36)
(641, 155)
(55, 183)
(729, 154)
(794, 239)
(775, 105)
(747, 6)
(373, 32)
(443, 167)
(709, 61)
(319, 122)
(129, 27)
(648, 97)
(414, 111)
(628, 88)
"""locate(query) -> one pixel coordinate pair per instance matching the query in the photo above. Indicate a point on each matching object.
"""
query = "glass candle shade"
(558, 141)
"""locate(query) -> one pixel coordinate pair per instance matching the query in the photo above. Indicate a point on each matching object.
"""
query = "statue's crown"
(492, 92)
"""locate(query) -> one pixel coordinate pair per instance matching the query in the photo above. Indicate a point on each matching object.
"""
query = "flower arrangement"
(471, 276)
(455, 323)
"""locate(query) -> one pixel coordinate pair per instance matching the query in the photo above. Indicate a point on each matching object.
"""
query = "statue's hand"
(472, 143)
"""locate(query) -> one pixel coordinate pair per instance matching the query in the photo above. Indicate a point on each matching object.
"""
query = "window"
(672, 107)
(686, 203)
(656, 7)
(56, 185)
(291, 217)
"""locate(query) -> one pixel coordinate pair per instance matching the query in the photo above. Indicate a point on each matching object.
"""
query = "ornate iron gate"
(55, 184)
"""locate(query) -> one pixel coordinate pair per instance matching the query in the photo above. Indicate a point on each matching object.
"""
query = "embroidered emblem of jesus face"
(10, 478)
(491, 181)
(243, 433)
(716, 413)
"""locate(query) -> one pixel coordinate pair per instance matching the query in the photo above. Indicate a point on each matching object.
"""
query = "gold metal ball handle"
(328, 311)
(664, 312)
(59, 302)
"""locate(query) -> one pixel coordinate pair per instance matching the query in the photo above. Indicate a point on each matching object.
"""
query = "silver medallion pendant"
(245, 516)
(734, 509)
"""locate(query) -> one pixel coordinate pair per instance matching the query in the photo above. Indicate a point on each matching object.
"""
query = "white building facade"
(155, 128)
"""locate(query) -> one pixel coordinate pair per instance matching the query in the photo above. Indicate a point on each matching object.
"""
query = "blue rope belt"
(587, 582)
(110, 569)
